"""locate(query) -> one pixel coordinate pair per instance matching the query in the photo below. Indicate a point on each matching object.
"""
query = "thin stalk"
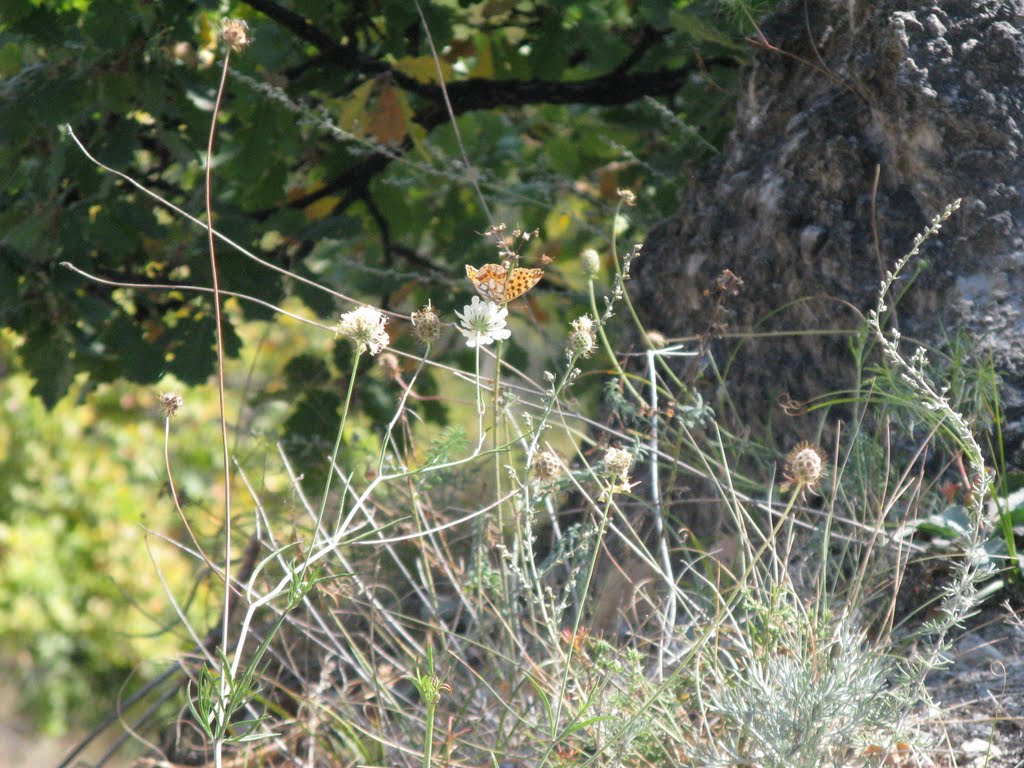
(218, 321)
(334, 454)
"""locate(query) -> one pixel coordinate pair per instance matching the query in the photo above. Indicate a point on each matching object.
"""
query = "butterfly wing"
(489, 281)
(494, 283)
(520, 281)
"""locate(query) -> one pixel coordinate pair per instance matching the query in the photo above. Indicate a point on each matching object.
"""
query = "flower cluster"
(364, 326)
(483, 322)
(583, 339)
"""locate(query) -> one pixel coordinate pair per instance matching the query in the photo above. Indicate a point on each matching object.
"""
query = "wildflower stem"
(494, 431)
(398, 411)
(612, 358)
(334, 453)
(428, 737)
(172, 488)
(596, 549)
(218, 323)
(479, 401)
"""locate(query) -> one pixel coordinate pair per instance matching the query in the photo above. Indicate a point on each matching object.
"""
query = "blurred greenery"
(559, 103)
(80, 601)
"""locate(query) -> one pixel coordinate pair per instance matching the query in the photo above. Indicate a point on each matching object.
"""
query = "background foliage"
(558, 105)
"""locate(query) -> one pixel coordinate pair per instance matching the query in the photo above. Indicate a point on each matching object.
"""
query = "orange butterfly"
(494, 283)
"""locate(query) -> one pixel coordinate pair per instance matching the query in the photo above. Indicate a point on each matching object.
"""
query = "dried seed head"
(171, 402)
(546, 466)
(805, 466)
(618, 462)
(590, 260)
(426, 324)
(235, 33)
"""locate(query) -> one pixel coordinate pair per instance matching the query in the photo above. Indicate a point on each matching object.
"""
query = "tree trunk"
(865, 123)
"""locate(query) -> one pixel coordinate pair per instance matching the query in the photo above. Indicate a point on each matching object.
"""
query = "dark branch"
(469, 95)
(347, 57)
(607, 90)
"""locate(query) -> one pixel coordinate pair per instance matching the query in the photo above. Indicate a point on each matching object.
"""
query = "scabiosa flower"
(583, 339)
(171, 402)
(483, 322)
(365, 327)
(426, 324)
(546, 466)
(590, 260)
(805, 466)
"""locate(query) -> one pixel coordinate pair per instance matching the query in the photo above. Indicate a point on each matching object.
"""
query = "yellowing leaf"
(297, 192)
(389, 119)
(322, 207)
(352, 114)
(423, 68)
(557, 224)
(318, 209)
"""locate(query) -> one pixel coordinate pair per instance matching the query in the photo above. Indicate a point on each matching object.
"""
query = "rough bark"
(929, 98)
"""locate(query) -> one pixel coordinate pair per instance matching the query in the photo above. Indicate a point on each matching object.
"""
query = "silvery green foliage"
(804, 706)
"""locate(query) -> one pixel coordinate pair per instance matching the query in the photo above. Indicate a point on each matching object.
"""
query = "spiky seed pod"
(546, 466)
(805, 467)
(426, 324)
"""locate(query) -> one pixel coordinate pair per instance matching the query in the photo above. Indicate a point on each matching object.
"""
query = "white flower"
(483, 322)
(582, 340)
(365, 327)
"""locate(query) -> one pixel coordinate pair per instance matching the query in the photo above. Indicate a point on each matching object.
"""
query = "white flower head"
(583, 339)
(365, 327)
(483, 322)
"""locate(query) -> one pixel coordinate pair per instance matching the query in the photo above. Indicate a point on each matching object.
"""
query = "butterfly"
(494, 283)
